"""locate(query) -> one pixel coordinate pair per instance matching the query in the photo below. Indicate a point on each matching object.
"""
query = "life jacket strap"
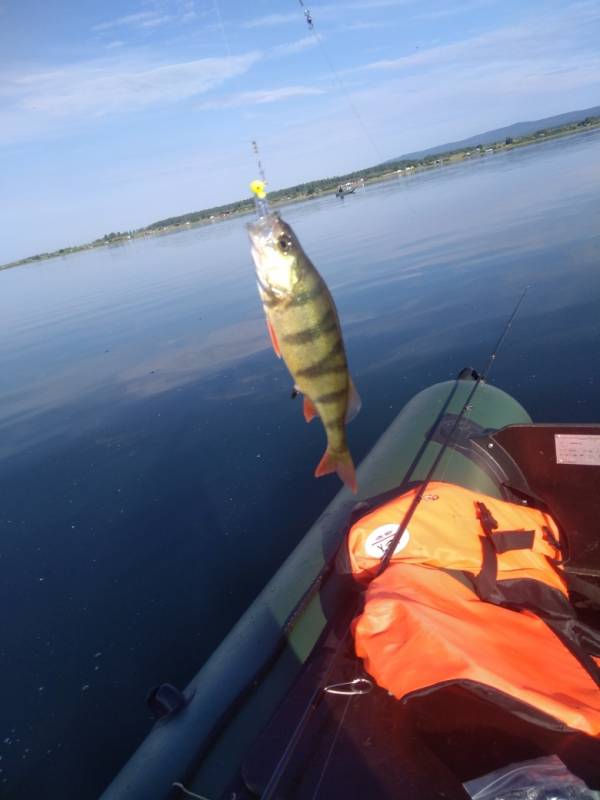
(505, 541)
(493, 543)
(548, 603)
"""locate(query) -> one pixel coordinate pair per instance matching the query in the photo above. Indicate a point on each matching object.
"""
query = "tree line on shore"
(311, 188)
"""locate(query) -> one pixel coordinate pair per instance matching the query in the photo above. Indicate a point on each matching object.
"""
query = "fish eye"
(284, 242)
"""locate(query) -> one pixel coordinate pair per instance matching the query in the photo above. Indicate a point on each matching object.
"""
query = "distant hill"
(518, 129)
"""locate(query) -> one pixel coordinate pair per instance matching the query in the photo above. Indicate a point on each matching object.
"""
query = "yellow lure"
(258, 188)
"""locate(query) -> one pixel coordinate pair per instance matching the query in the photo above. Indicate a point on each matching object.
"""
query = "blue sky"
(115, 114)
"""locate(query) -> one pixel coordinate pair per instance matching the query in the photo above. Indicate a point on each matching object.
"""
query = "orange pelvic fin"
(310, 412)
(273, 336)
(340, 463)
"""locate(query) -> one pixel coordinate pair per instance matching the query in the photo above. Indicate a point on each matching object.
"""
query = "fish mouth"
(257, 257)
(261, 231)
(273, 268)
(262, 255)
(262, 238)
(261, 251)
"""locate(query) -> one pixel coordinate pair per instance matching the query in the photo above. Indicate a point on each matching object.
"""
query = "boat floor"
(374, 746)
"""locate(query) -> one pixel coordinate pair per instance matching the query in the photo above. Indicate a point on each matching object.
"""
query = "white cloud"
(448, 92)
(43, 102)
(371, 5)
(164, 12)
(453, 9)
(365, 25)
(516, 45)
(290, 48)
(143, 19)
(261, 97)
(97, 88)
(271, 20)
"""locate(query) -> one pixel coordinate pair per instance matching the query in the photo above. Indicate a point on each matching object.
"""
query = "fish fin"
(340, 463)
(273, 336)
(310, 412)
(354, 402)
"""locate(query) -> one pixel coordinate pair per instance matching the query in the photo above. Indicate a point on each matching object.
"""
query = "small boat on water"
(342, 191)
(442, 625)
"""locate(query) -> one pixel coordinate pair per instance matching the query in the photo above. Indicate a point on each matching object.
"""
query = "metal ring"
(357, 686)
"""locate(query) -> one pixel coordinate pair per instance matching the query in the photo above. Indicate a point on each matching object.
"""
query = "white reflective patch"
(379, 540)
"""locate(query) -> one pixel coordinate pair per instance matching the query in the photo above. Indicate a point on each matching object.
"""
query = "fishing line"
(187, 791)
(261, 171)
(259, 192)
(346, 93)
(338, 80)
(261, 203)
(269, 791)
(489, 365)
(503, 335)
(222, 27)
(349, 699)
(385, 560)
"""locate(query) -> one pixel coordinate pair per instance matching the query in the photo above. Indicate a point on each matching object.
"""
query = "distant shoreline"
(313, 189)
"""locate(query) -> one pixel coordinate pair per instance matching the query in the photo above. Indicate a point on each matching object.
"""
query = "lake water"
(154, 471)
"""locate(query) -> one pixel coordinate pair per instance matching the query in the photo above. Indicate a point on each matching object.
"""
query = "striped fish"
(305, 332)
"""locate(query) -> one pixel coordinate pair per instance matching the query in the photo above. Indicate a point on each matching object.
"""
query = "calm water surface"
(154, 471)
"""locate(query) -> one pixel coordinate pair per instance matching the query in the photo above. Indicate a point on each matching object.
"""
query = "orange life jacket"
(473, 594)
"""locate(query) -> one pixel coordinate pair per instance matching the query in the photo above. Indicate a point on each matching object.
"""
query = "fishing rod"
(481, 378)
(321, 688)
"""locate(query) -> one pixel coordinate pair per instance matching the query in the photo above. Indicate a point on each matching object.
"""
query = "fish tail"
(340, 463)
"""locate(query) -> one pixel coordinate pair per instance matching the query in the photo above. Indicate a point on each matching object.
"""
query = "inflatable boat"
(342, 191)
(441, 625)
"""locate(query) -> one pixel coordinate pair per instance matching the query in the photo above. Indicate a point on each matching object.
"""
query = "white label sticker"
(582, 449)
(379, 540)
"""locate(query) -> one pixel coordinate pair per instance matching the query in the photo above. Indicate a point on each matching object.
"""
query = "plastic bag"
(540, 779)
